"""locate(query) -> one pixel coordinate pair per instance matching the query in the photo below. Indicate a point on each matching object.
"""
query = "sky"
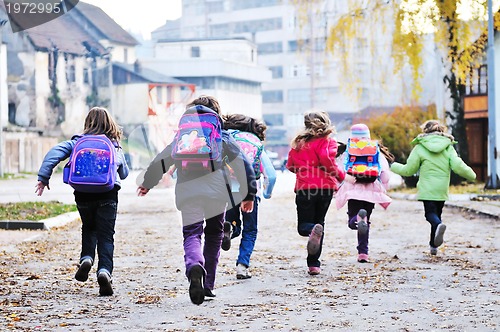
(141, 16)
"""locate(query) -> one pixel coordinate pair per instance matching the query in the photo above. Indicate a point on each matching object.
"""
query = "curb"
(473, 210)
(45, 224)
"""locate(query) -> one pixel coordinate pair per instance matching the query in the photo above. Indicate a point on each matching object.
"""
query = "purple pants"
(208, 213)
(353, 207)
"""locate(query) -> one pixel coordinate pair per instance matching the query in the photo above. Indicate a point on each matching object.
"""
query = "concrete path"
(403, 288)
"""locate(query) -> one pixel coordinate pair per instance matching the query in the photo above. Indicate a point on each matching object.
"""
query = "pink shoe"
(314, 270)
(363, 258)
(314, 241)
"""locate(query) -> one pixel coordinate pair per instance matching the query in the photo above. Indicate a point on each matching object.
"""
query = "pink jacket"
(370, 192)
(315, 166)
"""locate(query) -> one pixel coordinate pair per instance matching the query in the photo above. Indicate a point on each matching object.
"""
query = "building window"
(272, 96)
(195, 52)
(270, 48)
(273, 120)
(86, 76)
(245, 4)
(219, 30)
(299, 71)
(125, 55)
(277, 71)
(159, 95)
(258, 25)
(299, 96)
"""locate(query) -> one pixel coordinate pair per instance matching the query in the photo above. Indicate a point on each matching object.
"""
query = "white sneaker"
(242, 272)
(438, 238)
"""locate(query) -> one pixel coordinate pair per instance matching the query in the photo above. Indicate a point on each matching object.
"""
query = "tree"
(453, 24)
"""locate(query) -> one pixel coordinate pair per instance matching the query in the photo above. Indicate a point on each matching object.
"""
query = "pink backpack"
(252, 146)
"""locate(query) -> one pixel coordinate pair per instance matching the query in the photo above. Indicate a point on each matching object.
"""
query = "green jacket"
(434, 156)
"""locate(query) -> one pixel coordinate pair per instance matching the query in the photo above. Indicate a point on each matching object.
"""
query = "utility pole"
(492, 149)
(3, 69)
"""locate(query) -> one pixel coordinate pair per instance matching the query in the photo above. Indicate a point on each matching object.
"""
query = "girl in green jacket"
(434, 157)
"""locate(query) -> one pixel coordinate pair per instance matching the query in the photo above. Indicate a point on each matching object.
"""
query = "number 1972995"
(32, 7)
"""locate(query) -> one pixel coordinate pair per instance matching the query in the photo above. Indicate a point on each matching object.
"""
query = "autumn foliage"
(396, 130)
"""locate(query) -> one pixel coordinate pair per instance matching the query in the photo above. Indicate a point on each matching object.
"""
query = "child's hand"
(247, 206)
(350, 179)
(141, 191)
(40, 186)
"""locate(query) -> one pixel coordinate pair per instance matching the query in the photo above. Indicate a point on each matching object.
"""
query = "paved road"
(403, 288)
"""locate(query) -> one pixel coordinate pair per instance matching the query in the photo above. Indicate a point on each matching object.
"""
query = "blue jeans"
(312, 206)
(353, 207)
(433, 211)
(249, 232)
(203, 216)
(98, 229)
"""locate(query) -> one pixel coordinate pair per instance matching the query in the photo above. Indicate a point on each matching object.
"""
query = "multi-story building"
(305, 75)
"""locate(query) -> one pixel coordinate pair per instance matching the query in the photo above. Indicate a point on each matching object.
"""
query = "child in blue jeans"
(202, 197)
(97, 210)
(248, 133)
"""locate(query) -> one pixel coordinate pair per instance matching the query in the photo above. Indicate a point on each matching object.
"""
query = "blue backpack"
(363, 159)
(92, 165)
(198, 141)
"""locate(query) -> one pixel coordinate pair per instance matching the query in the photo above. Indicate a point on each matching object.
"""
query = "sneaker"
(362, 223)
(104, 280)
(242, 272)
(363, 258)
(83, 270)
(314, 241)
(209, 293)
(314, 270)
(438, 238)
(226, 240)
(196, 290)
(433, 251)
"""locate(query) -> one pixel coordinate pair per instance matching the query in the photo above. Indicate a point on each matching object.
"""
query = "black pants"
(312, 206)
(433, 211)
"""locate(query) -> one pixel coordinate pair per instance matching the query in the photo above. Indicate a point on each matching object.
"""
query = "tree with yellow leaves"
(456, 26)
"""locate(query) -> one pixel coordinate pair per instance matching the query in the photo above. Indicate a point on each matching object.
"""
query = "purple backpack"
(198, 141)
(92, 166)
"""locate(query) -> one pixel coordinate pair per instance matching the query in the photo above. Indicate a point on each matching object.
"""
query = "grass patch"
(33, 211)
(11, 176)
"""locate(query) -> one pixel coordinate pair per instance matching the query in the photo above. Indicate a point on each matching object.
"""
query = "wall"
(130, 103)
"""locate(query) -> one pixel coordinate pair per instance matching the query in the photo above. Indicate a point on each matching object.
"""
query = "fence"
(24, 152)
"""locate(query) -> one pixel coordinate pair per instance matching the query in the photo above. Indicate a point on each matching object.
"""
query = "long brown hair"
(245, 123)
(317, 124)
(207, 101)
(387, 154)
(99, 121)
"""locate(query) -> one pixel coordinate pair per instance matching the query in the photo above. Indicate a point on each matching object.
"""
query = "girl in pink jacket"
(361, 197)
(312, 159)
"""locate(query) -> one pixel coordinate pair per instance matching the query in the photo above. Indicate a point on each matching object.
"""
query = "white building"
(224, 68)
(304, 74)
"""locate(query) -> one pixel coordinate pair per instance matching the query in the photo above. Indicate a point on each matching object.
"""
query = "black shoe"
(83, 270)
(196, 290)
(208, 293)
(362, 222)
(104, 280)
(226, 240)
